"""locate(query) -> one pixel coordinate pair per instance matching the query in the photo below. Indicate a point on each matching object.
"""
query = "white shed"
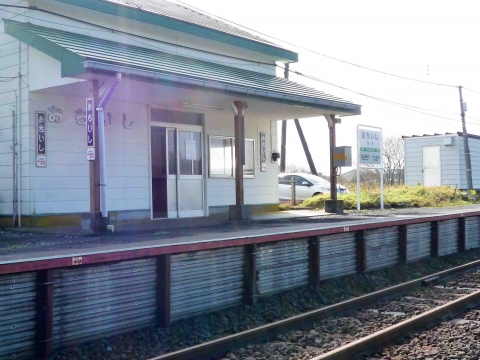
(440, 160)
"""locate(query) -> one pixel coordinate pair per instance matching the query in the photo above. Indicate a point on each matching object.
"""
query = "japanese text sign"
(370, 147)
(263, 152)
(41, 139)
(90, 123)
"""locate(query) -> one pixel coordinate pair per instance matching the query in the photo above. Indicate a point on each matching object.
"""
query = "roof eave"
(278, 53)
(330, 106)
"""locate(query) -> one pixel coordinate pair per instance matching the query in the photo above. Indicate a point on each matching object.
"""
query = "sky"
(436, 41)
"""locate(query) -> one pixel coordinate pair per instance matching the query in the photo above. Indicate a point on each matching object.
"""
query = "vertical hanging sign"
(41, 142)
(90, 115)
(263, 152)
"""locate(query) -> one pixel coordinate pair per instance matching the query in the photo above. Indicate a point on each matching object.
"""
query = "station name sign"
(370, 147)
(41, 139)
(90, 123)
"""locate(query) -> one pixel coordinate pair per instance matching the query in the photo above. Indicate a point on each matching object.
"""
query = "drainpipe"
(14, 162)
(101, 146)
(19, 138)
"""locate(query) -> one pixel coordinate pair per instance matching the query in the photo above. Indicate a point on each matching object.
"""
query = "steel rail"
(219, 347)
(371, 343)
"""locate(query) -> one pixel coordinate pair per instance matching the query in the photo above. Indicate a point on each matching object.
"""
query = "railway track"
(352, 328)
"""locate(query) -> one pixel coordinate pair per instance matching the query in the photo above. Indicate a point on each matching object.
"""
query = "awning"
(80, 54)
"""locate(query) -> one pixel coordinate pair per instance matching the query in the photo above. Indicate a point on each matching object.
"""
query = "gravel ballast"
(332, 333)
(150, 342)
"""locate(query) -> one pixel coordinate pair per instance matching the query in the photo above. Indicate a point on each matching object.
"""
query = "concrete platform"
(35, 248)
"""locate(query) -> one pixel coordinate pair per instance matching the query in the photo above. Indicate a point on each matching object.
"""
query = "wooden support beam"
(239, 151)
(305, 147)
(94, 166)
(44, 314)
(314, 260)
(462, 235)
(283, 147)
(163, 290)
(402, 244)
(333, 170)
(250, 274)
(434, 240)
(361, 251)
(283, 143)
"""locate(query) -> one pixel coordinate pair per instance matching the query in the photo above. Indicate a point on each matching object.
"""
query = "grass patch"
(399, 196)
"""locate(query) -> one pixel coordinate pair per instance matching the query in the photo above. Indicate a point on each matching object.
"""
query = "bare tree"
(393, 160)
(293, 168)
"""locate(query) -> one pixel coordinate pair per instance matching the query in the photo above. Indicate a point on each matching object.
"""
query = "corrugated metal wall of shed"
(99, 301)
(418, 241)
(17, 316)
(282, 266)
(448, 237)
(382, 247)
(206, 281)
(474, 146)
(448, 157)
(472, 232)
(337, 255)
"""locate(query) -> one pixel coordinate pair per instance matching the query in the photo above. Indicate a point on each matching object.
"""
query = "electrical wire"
(124, 34)
(476, 92)
(321, 54)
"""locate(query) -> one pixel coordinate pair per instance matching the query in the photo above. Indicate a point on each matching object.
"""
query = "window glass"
(284, 180)
(197, 162)
(222, 157)
(299, 180)
(172, 149)
(185, 165)
(248, 168)
(221, 163)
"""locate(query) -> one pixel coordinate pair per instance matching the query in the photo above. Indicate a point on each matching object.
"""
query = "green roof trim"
(186, 27)
(80, 54)
(71, 62)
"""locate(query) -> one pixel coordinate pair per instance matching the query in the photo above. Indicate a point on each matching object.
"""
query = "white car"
(306, 186)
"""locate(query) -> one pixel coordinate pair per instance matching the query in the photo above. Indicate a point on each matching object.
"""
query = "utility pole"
(305, 147)
(283, 146)
(466, 148)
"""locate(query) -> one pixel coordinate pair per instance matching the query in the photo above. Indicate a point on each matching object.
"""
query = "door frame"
(177, 127)
(439, 162)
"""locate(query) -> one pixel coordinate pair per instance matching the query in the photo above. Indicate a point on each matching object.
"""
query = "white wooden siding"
(63, 186)
(9, 67)
(414, 160)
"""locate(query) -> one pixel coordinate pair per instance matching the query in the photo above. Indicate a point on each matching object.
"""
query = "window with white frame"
(222, 157)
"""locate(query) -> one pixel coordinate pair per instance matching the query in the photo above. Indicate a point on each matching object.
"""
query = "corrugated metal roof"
(459, 133)
(190, 15)
(93, 52)
(186, 19)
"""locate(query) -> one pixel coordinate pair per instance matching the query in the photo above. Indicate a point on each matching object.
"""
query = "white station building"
(174, 83)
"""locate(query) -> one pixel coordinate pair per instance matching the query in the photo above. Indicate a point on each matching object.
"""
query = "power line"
(121, 33)
(476, 92)
(321, 54)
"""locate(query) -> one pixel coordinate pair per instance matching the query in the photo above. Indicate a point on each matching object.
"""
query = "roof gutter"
(329, 105)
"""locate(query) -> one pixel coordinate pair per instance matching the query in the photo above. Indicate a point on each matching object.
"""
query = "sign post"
(369, 153)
